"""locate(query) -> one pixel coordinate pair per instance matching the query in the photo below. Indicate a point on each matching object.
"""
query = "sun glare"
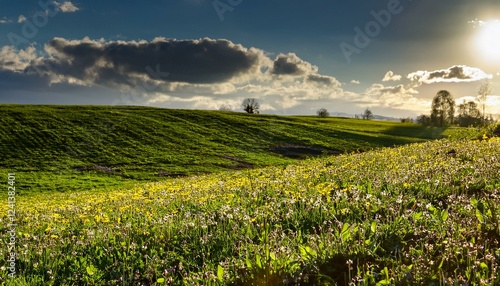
(488, 40)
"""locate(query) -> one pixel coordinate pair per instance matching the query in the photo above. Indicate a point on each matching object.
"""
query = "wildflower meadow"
(420, 214)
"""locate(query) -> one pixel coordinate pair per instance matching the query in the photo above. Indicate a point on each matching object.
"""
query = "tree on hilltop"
(322, 112)
(225, 107)
(368, 114)
(250, 105)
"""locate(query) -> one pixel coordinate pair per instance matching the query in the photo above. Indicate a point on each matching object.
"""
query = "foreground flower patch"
(418, 214)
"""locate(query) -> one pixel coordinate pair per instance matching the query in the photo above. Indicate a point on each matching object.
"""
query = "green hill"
(64, 148)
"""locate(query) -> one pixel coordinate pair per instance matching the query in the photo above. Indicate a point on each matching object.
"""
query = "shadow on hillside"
(239, 163)
(416, 131)
(331, 142)
(302, 152)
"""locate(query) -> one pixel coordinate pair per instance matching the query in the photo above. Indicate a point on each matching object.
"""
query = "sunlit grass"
(73, 148)
(418, 214)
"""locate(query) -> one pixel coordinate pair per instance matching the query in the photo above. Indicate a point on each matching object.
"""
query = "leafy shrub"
(322, 112)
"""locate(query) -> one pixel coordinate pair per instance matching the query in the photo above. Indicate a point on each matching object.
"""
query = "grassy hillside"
(421, 214)
(81, 147)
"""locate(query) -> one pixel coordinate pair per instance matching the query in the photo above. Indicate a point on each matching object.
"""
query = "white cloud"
(223, 88)
(159, 98)
(396, 97)
(21, 19)
(390, 76)
(67, 7)
(493, 105)
(458, 73)
(355, 81)
(5, 20)
(16, 61)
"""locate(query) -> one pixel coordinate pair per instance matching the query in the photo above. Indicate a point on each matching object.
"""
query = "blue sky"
(293, 56)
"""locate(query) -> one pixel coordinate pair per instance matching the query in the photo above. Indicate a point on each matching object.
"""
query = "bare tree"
(322, 112)
(250, 105)
(225, 107)
(482, 94)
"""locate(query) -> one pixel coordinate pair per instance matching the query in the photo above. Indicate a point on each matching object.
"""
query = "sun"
(488, 40)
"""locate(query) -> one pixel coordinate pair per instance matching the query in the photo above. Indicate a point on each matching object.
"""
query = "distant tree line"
(443, 110)
(442, 114)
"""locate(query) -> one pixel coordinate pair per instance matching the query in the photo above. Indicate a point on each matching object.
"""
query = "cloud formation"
(291, 65)
(13, 60)
(66, 7)
(114, 63)
(195, 73)
(391, 76)
(168, 69)
(324, 80)
(457, 73)
(21, 19)
(397, 97)
(5, 20)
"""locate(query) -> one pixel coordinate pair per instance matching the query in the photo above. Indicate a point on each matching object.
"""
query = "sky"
(293, 56)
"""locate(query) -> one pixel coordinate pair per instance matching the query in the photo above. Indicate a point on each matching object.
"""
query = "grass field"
(143, 196)
(421, 214)
(69, 148)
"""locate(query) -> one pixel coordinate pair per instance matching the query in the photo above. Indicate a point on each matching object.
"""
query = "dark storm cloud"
(169, 60)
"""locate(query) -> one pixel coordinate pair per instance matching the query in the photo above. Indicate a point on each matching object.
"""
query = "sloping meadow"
(413, 215)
